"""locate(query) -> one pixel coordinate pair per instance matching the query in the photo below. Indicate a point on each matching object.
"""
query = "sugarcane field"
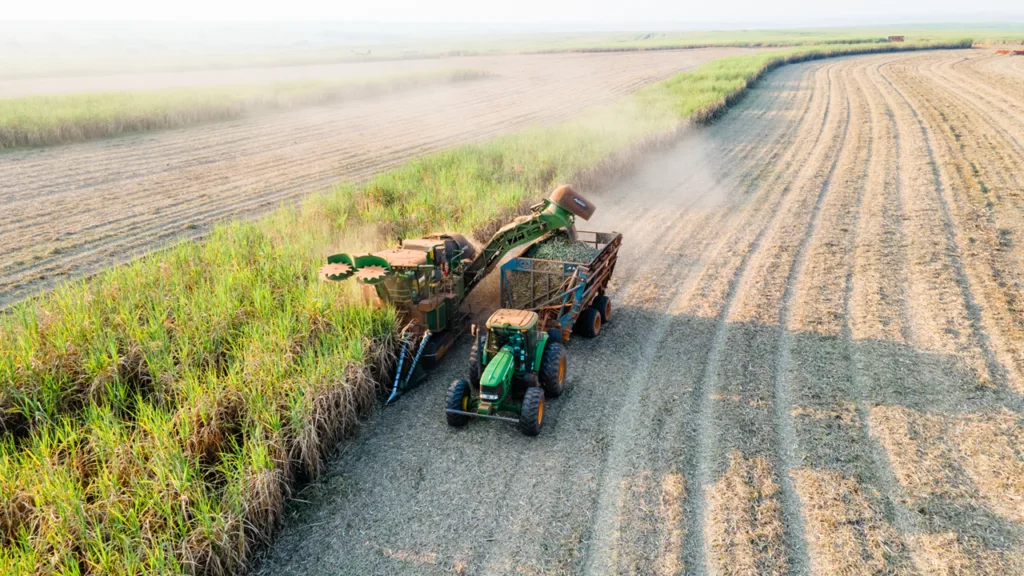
(375, 296)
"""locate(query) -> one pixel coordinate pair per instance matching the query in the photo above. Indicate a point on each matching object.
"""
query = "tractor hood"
(499, 371)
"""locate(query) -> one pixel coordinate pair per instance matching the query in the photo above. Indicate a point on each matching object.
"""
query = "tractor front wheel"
(531, 418)
(552, 369)
(589, 323)
(458, 399)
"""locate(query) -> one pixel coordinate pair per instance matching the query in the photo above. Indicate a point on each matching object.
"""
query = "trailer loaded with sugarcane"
(557, 288)
(563, 278)
(427, 279)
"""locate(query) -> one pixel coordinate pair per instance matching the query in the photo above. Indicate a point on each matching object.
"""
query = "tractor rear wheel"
(589, 323)
(476, 367)
(603, 304)
(554, 334)
(457, 399)
(552, 369)
(531, 417)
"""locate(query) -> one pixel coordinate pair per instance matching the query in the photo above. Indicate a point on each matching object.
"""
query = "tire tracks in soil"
(980, 336)
(840, 479)
(697, 468)
(809, 327)
(950, 524)
(763, 286)
(782, 403)
(988, 263)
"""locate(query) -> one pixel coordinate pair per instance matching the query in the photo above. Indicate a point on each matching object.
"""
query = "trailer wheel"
(603, 304)
(552, 369)
(589, 323)
(476, 367)
(531, 417)
(458, 399)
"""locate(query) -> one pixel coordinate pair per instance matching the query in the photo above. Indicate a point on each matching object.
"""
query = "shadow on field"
(884, 435)
(883, 443)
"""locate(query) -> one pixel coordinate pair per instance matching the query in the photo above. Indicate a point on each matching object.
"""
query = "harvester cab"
(427, 279)
(513, 368)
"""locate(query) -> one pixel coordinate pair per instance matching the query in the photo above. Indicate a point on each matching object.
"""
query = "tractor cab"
(516, 329)
(510, 357)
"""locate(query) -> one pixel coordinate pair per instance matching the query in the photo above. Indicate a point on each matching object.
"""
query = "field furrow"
(943, 318)
(815, 363)
(969, 159)
(721, 273)
(841, 479)
(661, 422)
(948, 373)
(753, 396)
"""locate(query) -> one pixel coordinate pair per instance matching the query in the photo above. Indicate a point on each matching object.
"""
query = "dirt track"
(71, 210)
(815, 363)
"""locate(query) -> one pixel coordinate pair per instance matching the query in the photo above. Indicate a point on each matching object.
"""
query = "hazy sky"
(519, 11)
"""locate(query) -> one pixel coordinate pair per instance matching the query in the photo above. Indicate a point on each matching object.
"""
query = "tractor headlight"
(490, 397)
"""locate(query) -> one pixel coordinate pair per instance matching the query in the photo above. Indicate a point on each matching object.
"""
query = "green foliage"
(153, 413)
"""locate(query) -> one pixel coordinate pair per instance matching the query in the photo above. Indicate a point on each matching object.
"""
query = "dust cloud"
(688, 174)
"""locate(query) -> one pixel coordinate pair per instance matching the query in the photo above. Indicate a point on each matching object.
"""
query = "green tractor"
(512, 368)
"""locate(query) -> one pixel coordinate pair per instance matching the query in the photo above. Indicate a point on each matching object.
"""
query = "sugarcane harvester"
(427, 279)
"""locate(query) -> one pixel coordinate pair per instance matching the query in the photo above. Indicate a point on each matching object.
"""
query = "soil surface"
(814, 363)
(72, 210)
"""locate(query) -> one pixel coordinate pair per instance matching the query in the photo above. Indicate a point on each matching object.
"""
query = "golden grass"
(947, 553)
(846, 527)
(649, 524)
(673, 490)
(743, 526)
(636, 520)
(955, 468)
(963, 456)
(844, 412)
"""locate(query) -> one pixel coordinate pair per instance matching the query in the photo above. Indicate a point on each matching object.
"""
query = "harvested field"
(816, 363)
(72, 210)
(70, 84)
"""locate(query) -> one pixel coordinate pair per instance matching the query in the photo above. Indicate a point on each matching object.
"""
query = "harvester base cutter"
(428, 349)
